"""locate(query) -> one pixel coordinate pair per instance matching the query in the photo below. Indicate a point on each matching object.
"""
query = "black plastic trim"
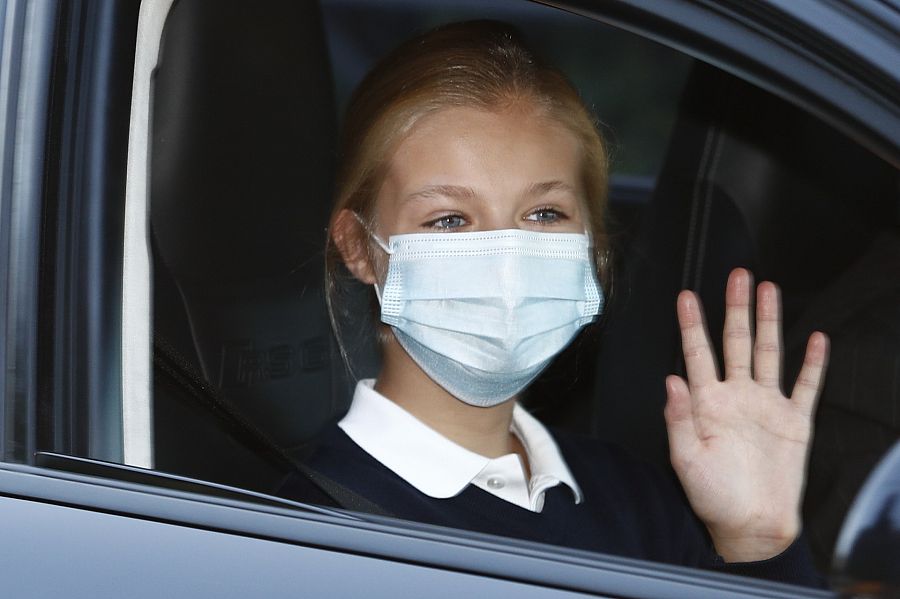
(79, 366)
(30, 27)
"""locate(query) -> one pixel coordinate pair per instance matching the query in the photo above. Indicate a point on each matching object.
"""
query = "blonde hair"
(476, 64)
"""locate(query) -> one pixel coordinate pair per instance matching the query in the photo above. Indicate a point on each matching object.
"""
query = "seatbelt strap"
(170, 361)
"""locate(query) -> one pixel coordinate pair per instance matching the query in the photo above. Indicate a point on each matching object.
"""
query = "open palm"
(739, 445)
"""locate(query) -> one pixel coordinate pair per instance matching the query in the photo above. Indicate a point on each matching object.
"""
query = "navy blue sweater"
(629, 508)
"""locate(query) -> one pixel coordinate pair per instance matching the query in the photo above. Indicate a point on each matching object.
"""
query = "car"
(167, 354)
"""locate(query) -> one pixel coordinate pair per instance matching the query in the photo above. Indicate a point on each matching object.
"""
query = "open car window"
(242, 165)
(230, 369)
(262, 348)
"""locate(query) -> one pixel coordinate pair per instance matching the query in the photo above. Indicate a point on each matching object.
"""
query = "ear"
(352, 241)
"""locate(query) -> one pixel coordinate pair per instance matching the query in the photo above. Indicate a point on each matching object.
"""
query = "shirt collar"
(412, 449)
(544, 456)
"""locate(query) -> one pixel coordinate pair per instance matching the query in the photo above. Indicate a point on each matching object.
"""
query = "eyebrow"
(456, 192)
(545, 187)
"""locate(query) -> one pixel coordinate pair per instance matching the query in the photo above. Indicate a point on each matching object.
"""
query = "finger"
(679, 415)
(767, 353)
(698, 356)
(812, 373)
(737, 340)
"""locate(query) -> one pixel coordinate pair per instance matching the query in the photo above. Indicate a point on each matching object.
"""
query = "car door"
(76, 319)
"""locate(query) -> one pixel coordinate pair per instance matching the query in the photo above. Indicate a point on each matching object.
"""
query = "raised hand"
(738, 445)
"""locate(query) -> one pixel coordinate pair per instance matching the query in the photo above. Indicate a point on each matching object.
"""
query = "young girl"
(472, 200)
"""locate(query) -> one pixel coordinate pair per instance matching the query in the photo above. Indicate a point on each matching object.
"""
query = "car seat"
(243, 156)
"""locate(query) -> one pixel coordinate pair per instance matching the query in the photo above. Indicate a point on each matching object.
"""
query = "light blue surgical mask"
(483, 313)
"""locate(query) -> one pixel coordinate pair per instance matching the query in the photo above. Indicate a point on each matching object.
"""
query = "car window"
(709, 172)
(705, 140)
(204, 278)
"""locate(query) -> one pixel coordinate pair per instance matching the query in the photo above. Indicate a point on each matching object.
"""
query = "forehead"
(516, 145)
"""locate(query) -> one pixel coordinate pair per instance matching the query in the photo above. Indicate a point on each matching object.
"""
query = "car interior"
(246, 369)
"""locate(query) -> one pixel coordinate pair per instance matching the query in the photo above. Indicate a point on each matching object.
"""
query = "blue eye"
(450, 221)
(546, 216)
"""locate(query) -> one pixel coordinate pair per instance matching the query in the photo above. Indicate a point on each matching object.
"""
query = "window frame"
(24, 100)
(137, 357)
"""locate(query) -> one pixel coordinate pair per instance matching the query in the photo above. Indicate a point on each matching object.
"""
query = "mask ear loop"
(377, 240)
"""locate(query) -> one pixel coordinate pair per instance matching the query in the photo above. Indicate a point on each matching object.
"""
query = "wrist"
(753, 546)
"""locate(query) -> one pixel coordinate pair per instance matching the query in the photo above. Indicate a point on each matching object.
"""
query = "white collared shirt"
(440, 468)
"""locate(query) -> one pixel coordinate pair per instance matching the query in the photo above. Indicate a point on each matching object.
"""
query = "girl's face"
(464, 169)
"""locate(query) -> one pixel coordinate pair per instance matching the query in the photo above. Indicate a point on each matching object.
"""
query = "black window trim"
(24, 94)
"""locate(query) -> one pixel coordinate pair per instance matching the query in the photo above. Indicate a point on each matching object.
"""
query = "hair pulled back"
(476, 64)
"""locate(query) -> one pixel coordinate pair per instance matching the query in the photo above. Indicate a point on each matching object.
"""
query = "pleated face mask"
(483, 313)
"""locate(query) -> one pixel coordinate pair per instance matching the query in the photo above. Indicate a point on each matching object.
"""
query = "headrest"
(243, 140)
(242, 165)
